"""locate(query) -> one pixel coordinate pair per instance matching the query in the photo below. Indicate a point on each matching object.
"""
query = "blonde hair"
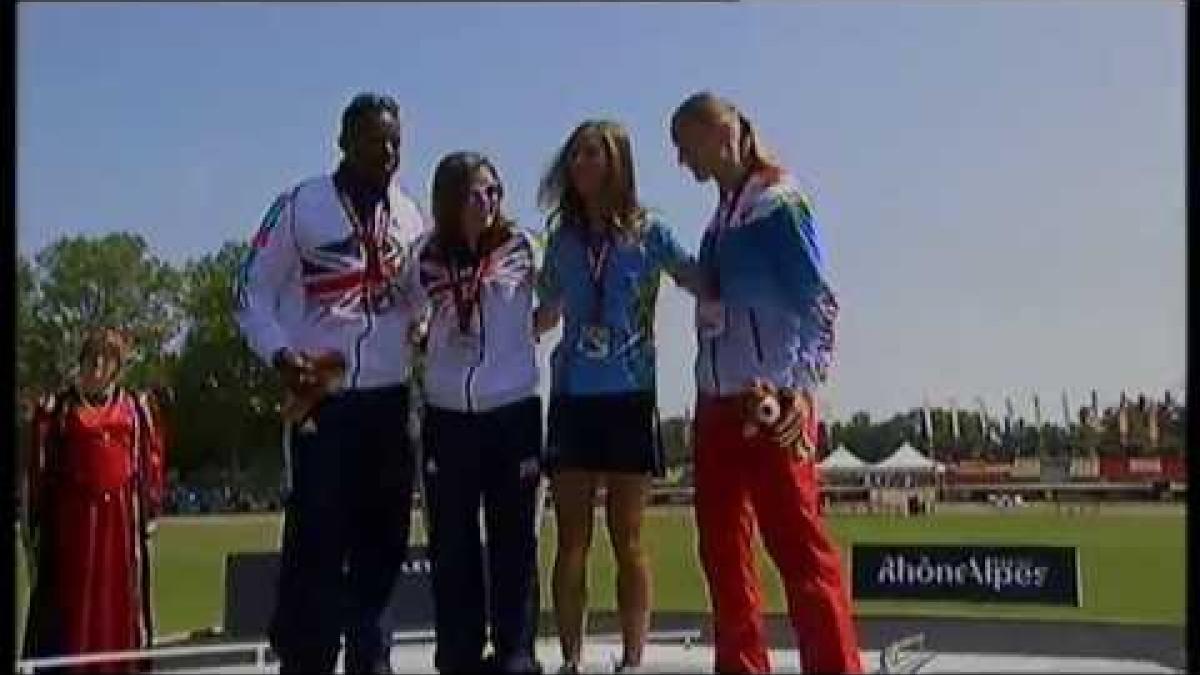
(709, 108)
(557, 193)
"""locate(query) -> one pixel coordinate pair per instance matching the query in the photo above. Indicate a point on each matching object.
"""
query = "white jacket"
(305, 284)
(503, 368)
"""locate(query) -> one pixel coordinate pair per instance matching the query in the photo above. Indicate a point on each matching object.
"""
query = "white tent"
(842, 459)
(907, 458)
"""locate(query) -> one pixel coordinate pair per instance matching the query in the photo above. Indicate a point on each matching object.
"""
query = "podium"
(251, 580)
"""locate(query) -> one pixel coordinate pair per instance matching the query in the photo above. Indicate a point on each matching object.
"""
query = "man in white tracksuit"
(319, 286)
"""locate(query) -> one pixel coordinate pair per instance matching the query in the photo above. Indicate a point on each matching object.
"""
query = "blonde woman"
(604, 259)
(765, 343)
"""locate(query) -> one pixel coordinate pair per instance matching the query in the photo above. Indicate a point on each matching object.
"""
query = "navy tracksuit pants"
(491, 459)
(346, 526)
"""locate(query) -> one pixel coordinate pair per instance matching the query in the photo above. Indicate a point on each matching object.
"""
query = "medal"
(597, 259)
(595, 338)
(595, 342)
(465, 289)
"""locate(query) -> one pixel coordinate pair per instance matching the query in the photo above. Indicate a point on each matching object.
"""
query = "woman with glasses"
(481, 432)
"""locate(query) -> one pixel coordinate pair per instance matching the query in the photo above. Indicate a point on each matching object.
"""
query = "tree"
(26, 297)
(872, 442)
(231, 397)
(80, 283)
(36, 371)
(1172, 424)
(30, 338)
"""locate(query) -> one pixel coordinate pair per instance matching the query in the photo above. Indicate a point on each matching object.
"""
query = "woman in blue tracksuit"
(604, 258)
(767, 335)
(481, 433)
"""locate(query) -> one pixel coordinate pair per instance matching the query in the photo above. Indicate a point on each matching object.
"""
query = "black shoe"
(522, 666)
(487, 665)
(380, 667)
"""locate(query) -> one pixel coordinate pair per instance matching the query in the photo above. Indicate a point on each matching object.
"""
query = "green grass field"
(1133, 562)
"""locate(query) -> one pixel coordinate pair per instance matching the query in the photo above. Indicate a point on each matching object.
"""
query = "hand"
(784, 415)
(308, 378)
(545, 318)
(296, 368)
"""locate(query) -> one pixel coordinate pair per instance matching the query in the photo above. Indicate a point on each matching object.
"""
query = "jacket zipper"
(482, 348)
(366, 297)
(715, 341)
(754, 332)
(362, 336)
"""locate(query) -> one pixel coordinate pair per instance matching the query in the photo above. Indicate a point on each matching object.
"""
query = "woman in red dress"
(94, 486)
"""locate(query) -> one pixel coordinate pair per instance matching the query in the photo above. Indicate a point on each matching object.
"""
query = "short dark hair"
(366, 103)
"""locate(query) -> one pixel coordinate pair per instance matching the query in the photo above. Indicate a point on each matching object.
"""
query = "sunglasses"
(486, 198)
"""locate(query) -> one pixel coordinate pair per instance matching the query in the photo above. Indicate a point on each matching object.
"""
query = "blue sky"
(1000, 184)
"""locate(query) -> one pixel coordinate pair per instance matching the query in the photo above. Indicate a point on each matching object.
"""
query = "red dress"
(95, 480)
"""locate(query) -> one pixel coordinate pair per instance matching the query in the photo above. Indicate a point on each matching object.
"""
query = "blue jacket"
(631, 280)
(776, 313)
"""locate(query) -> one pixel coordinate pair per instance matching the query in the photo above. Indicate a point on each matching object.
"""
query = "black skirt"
(604, 432)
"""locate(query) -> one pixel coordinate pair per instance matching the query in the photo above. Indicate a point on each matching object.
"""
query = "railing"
(688, 638)
(906, 655)
(260, 650)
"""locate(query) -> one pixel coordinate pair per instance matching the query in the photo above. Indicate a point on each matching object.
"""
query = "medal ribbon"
(373, 273)
(465, 299)
(723, 223)
(597, 257)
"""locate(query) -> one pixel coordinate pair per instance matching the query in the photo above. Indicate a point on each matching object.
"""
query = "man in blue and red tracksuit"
(319, 299)
(765, 339)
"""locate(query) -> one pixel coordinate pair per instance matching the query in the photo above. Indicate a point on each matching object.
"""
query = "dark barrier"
(1040, 574)
(250, 580)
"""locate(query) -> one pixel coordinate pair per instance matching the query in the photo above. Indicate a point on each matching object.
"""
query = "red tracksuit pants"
(741, 481)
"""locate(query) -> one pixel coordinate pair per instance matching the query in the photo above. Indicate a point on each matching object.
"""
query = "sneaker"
(568, 668)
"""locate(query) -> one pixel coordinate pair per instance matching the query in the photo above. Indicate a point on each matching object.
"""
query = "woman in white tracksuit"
(481, 432)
